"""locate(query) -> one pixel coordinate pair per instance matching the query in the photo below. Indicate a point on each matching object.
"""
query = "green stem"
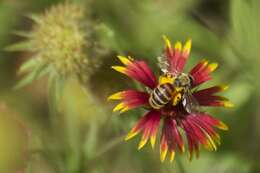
(180, 165)
(110, 145)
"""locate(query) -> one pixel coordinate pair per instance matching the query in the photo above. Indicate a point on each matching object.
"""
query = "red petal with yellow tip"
(201, 72)
(205, 97)
(163, 147)
(176, 56)
(130, 99)
(213, 122)
(137, 70)
(149, 124)
(210, 91)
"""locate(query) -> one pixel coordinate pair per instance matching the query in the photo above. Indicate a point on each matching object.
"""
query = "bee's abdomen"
(161, 95)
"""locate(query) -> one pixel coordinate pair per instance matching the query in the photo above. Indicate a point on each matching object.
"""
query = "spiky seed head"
(59, 38)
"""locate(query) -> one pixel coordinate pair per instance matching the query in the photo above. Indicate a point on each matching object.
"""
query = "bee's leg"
(176, 99)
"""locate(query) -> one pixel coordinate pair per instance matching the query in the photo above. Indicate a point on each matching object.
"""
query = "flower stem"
(113, 143)
(180, 165)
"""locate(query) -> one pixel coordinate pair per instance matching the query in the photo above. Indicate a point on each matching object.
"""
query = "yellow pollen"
(166, 79)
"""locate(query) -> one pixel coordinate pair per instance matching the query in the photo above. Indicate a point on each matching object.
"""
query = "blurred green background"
(86, 136)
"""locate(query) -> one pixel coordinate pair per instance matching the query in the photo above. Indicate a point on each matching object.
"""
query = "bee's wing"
(189, 102)
(163, 63)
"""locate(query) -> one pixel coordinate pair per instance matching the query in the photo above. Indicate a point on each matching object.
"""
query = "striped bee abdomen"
(161, 95)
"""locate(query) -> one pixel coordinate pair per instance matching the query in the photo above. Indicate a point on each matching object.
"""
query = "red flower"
(199, 127)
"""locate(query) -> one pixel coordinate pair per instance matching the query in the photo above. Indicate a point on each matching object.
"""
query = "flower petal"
(211, 90)
(137, 70)
(177, 57)
(205, 97)
(177, 136)
(214, 101)
(163, 147)
(129, 99)
(213, 121)
(149, 124)
(170, 138)
(201, 72)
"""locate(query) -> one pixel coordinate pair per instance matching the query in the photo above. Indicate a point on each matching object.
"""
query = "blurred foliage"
(84, 136)
(13, 145)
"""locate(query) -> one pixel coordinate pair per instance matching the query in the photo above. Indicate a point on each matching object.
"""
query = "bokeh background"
(86, 136)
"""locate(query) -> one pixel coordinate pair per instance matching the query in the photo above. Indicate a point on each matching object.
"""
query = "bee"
(162, 94)
(184, 81)
(173, 87)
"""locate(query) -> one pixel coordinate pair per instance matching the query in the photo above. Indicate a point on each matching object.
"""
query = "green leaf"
(28, 65)
(90, 142)
(55, 89)
(23, 34)
(21, 46)
(38, 72)
(34, 18)
(28, 167)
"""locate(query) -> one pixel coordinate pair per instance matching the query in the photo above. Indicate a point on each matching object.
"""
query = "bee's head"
(183, 80)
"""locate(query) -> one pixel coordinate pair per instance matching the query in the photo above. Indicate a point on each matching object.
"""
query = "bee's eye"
(177, 82)
(191, 79)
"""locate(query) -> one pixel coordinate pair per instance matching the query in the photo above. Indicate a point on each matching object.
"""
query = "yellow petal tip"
(126, 108)
(182, 149)
(124, 59)
(152, 141)
(187, 46)
(130, 135)
(224, 87)
(163, 155)
(119, 107)
(115, 96)
(228, 104)
(213, 66)
(204, 62)
(142, 144)
(167, 41)
(178, 46)
(172, 156)
(222, 126)
(119, 69)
